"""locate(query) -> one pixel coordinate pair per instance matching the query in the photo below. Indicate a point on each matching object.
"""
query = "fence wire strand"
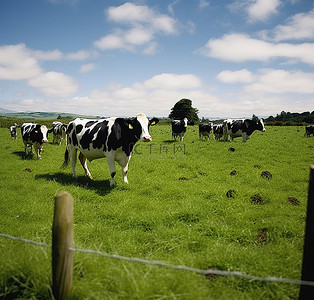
(171, 266)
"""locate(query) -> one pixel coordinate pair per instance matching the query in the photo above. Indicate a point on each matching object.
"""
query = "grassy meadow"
(175, 209)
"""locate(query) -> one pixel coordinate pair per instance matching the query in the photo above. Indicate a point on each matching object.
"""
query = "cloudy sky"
(116, 58)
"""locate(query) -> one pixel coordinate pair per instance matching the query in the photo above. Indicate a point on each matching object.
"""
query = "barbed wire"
(171, 266)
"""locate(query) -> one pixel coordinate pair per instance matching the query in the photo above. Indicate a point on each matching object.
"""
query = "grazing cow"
(205, 129)
(113, 138)
(309, 130)
(244, 128)
(34, 134)
(58, 129)
(217, 131)
(179, 128)
(13, 131)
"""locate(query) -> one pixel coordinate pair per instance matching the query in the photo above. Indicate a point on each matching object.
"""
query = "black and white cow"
(58, 129)
(244, 128)
(179, 128)
(204, 130)
(218, 131)
(113, 138)
(35, 135)
(13, 131)
(309, 130)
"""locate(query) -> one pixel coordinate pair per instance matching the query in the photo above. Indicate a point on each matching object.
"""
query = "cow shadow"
(100, 187)
(23, 156)
(169, 141)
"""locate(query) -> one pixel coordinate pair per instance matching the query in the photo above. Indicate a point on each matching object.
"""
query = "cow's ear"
(129, 124)
(153, 121)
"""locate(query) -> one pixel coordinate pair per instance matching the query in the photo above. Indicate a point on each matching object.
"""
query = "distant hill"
(40, 115)
(5, 111)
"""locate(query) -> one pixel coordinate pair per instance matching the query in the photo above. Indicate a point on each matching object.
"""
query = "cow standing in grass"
(35, 135)
(58, 130)
(218, 131)
(309, 130)
(13, 131)
(241, 128)
(179, 128)
(204, 130)
(113, 138)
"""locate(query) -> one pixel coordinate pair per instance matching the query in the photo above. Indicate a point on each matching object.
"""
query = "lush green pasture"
(175, 209)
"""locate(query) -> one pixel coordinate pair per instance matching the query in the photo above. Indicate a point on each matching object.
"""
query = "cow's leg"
(83, 161)
(73, 158)
(245, 137)
(37, 149)
(25, 148)
(123, 161)
(112, 167)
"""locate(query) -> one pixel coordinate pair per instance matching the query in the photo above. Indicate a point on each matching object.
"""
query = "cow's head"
(140, 125)
(39, 134)
(185, 121)
(260, 125)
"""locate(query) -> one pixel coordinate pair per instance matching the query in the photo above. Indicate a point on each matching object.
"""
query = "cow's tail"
(66, 158)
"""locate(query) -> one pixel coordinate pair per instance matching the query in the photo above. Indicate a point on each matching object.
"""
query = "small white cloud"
(87, 68)
(143, 24)
(282, 81)
(203, 4)
(240, 76)
(299, 27)
(48, 55)
(240, 48)
(54, 84)
(261, 10)
(173, 81)
(17, 63)
(79, 55)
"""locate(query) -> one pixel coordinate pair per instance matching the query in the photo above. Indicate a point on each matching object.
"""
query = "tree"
(183, 109)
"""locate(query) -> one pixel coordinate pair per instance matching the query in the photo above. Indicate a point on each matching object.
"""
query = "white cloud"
(282, 81)
(261, 10)
(112, 41)
(241, 48)
(48, 55)
(143, 24)
(79, 55)
(299, 27)
(203, 4)
(54, 84)
(240, 76)
(173, 81)
(87, 68)
(17, 63)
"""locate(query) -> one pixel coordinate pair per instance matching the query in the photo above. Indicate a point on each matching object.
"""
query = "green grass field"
(175, 209)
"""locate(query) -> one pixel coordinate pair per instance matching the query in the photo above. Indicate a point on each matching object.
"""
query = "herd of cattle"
(114, 138)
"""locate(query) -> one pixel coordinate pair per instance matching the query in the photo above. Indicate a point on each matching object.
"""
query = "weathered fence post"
(307, 292)
(62, 239)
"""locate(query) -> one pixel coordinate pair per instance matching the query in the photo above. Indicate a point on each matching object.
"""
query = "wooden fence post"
(307, 292)
(62, 239)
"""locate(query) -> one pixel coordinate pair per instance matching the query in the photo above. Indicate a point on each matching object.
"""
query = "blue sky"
(117, 58)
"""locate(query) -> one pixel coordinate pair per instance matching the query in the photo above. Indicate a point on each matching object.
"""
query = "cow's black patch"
(74, 139)
(124, 133)
(98, 142)
(78, 128)
(178, 127)
(90, 123)
(70, 128)
(32, 133)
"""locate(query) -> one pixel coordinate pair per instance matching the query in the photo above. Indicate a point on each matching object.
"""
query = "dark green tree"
(183, 109)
